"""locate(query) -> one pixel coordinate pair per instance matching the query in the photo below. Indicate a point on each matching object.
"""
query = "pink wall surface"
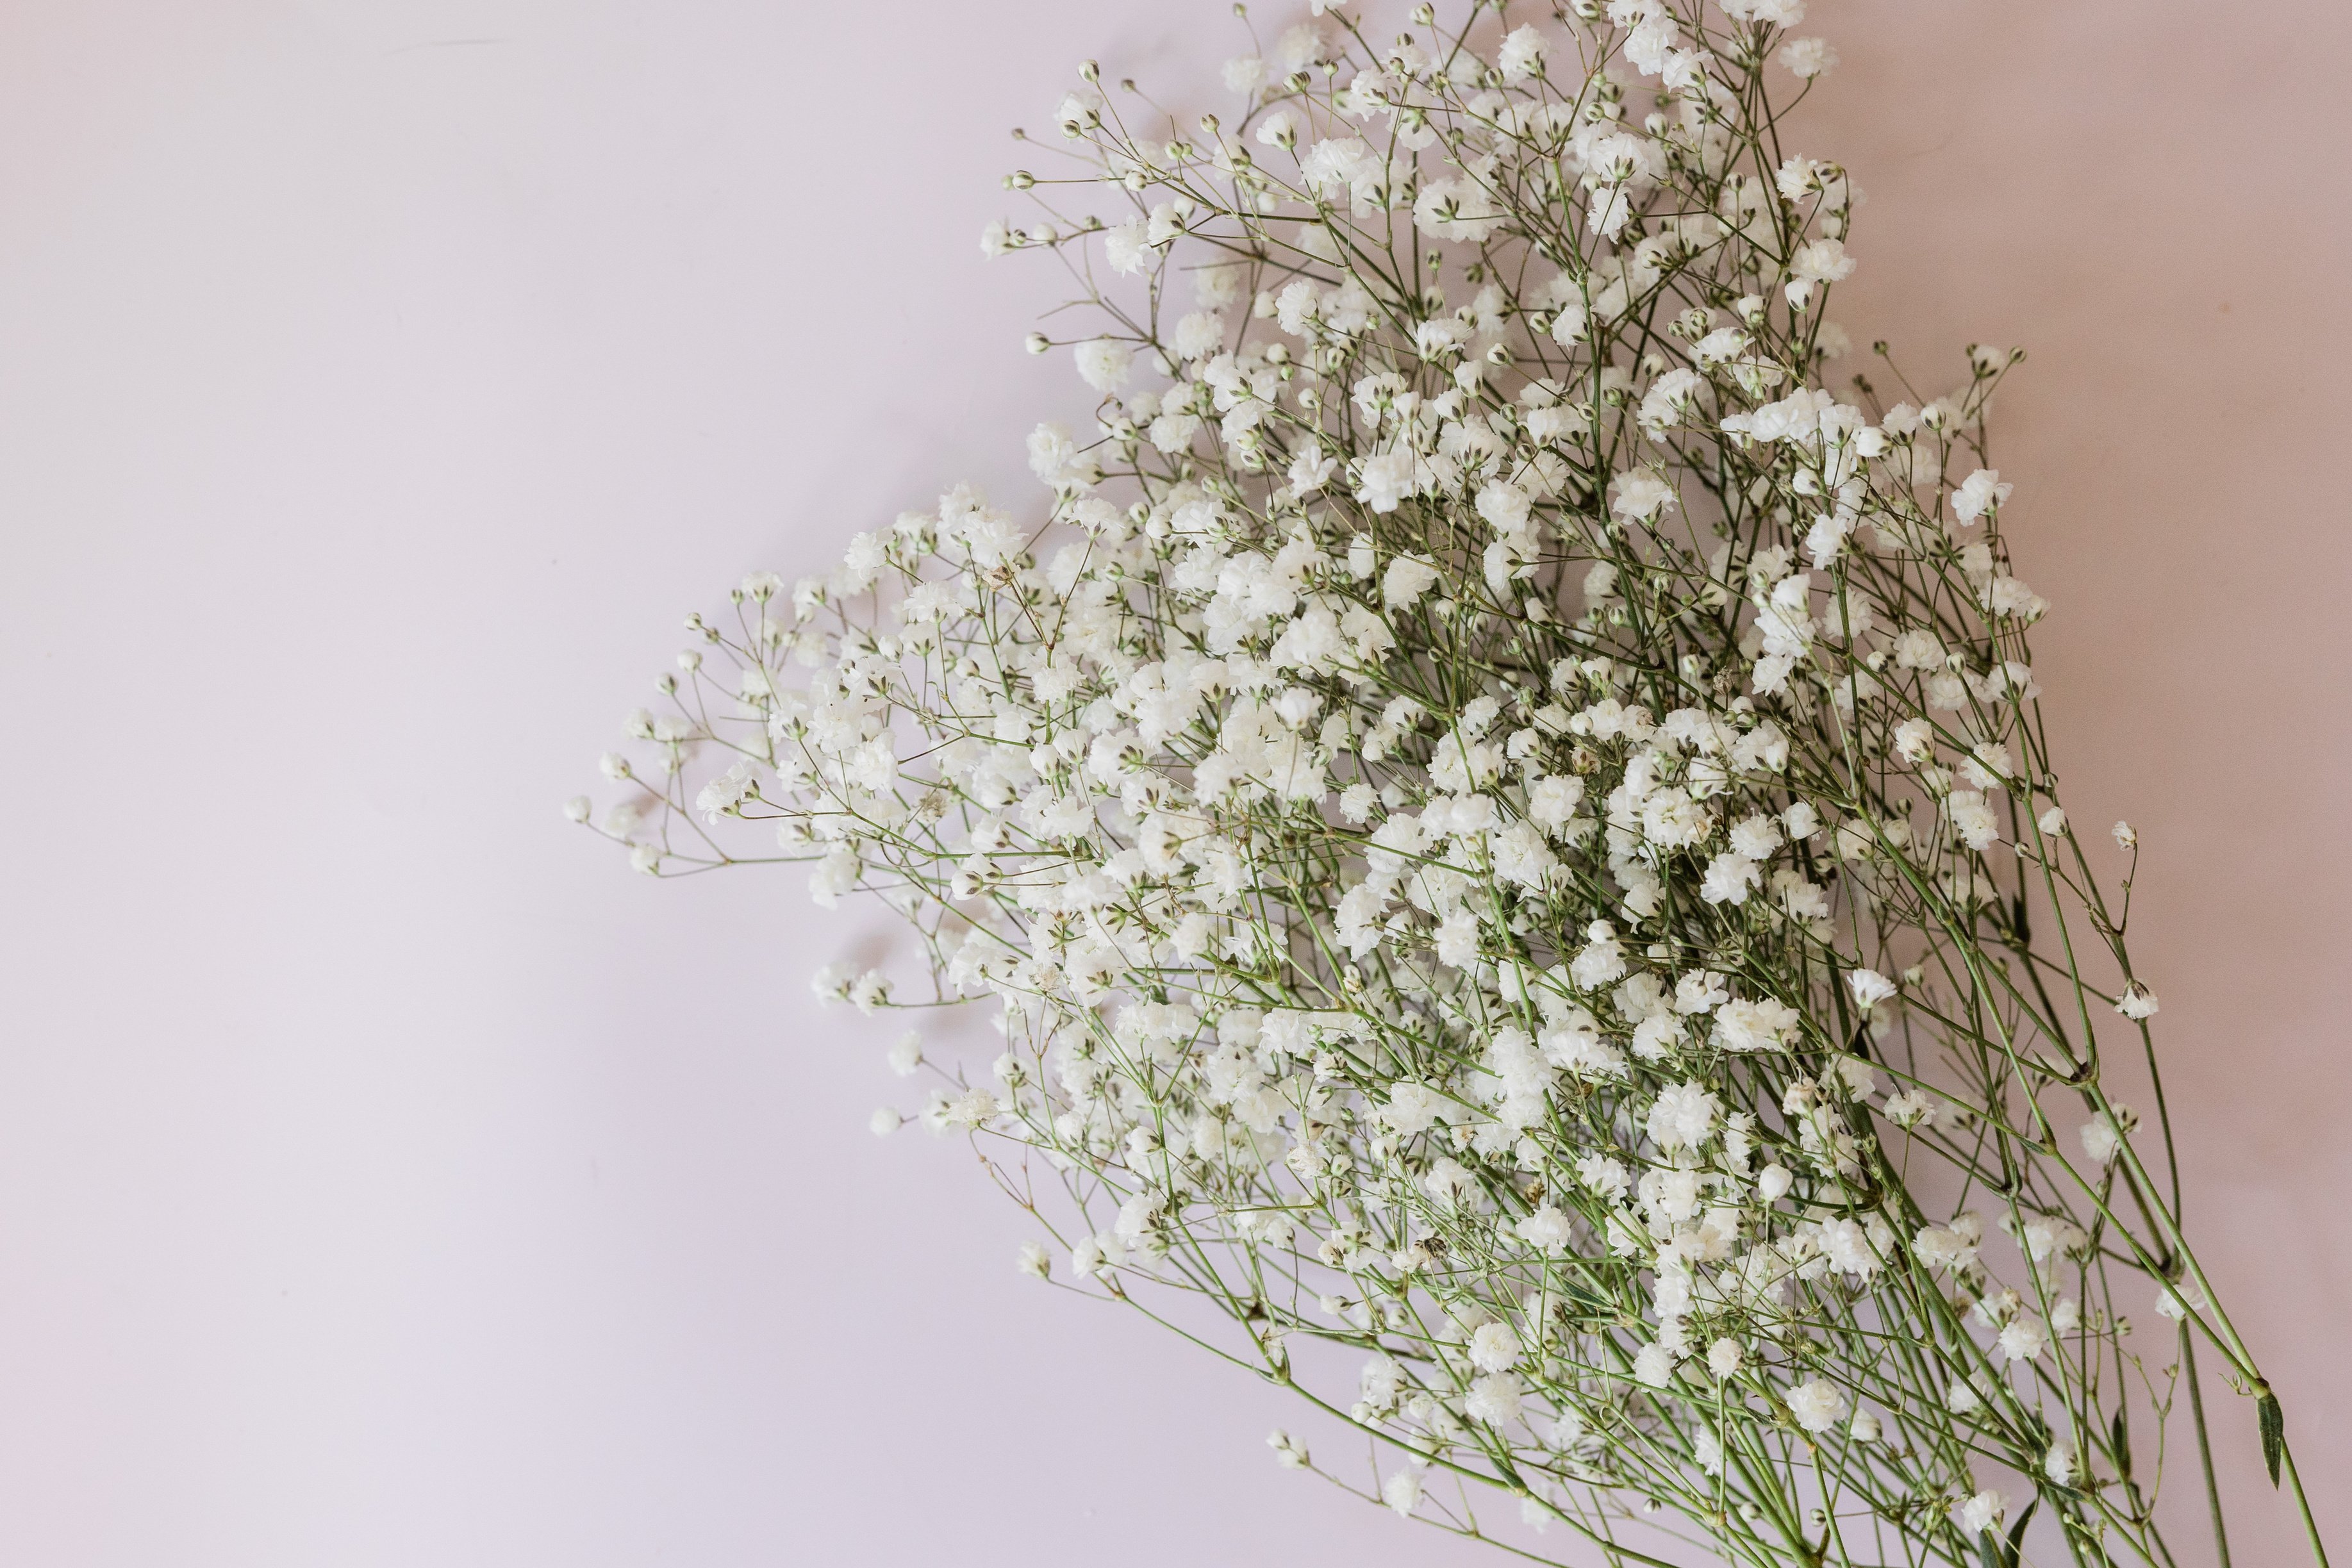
(388, 1176)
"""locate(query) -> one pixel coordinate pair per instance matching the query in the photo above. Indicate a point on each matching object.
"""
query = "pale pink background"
(387, 1178)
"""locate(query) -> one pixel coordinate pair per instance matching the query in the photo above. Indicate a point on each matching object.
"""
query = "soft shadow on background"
(388, 1176)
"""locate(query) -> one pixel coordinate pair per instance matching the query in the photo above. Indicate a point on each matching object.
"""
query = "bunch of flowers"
(1507, 824)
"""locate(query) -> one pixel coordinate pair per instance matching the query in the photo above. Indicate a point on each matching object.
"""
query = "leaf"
(2120, 1440)
(1994, 1553)
(2015, 1553)
(2273, 1432)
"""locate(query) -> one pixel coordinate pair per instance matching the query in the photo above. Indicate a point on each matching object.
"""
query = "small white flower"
(870, 991)
(2103, 1136)
(1104, 363)
(1981, 1513)
(1494, 1398)
(1682, 1116)
(1870, 987)
(1407, 577)
(2023, 1339)
(1972, 819)
(906, 1053)
(1246, 74)
(1821, 261)
(1640, 495)
(2177, 1301)
(1981, 493)
(2061, 1463)
(1818, 1404)
(1807, 58)
(1288, 1451)
(1546, 1230)
(1126, 247)
(1202, 332)
(1493, 1348)
(1521, 55)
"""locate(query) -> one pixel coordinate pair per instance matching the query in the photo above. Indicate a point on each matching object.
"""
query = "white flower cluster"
(1499, 811)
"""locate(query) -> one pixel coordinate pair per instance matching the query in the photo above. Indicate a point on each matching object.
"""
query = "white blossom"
(1982, 1511)
(1807, 58)
(1818, 1404)
(1104, 363)
(1981, 493)
(2103, 1136)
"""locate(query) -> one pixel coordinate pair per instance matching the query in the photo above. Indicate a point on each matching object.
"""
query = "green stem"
(2310, 1525)
(2204, 1445)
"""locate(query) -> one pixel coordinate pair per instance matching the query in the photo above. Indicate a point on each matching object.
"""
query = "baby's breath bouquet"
(1506, 821)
